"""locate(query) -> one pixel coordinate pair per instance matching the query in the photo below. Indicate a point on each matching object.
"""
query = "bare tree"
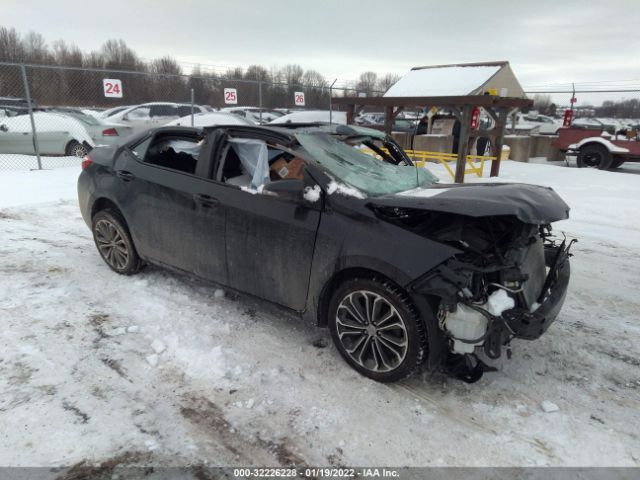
(117, 54)
(367, 83)
(386, 81)
(11, 47)
(541, 102)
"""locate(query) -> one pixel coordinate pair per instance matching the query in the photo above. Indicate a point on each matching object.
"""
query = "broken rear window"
(361, 170)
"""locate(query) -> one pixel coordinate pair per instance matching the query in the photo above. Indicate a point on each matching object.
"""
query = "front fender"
(600, 140)
(367, 243)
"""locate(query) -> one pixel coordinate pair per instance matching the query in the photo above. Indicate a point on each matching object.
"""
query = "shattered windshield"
(361, 170)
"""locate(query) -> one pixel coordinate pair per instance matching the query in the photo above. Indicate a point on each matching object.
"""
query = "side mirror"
(4, 128)
(289, 188)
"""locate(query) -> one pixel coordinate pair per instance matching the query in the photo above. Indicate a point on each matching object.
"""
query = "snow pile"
(549, 407)
(253, 191)
(423, 192)
(158, 346)
(312, 194)
(210, 364)
(342, 189)
(498, 302)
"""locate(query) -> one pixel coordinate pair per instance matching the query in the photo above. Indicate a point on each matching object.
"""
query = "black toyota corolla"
(337, 225)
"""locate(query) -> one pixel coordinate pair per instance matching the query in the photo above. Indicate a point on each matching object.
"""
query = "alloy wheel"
(111, 244)
(79, 151)
(371, 331)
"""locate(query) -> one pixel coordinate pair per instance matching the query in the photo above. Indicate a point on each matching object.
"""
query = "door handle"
(124, 175)
(206, 200)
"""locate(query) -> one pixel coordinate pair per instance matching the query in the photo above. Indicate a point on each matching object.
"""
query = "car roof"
(285, 133)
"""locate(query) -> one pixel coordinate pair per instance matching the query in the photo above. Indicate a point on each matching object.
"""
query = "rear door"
(171, 209)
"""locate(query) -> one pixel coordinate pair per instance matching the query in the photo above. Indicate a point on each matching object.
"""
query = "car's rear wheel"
(594, 156)
(376, 329)
(114, 243)
(76, 149)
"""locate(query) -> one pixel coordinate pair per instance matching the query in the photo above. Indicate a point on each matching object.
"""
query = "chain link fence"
(52, 116)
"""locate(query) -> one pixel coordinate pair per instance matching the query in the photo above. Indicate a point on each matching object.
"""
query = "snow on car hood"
(529, 203)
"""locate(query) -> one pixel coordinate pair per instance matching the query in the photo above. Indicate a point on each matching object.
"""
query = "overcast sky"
(547, 42)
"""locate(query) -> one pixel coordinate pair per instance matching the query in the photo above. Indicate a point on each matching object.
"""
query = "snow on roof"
(443, 80)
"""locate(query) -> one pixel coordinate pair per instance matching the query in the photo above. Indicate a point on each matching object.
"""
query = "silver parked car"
(102, 132)
(57, 135)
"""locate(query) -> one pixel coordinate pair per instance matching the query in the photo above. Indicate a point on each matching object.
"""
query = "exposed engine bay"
(509, 281)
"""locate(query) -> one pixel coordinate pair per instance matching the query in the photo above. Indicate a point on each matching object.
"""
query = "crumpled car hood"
(529, 203)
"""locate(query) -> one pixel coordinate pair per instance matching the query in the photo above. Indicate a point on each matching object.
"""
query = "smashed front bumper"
(530, 325)
(536, 302)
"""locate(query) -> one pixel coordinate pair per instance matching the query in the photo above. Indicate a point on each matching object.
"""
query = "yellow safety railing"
(475, 163)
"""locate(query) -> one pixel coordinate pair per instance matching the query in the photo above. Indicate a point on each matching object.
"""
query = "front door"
(270, 243)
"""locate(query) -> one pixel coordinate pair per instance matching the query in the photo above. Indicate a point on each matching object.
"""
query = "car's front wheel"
(114, 242)
(376, 329)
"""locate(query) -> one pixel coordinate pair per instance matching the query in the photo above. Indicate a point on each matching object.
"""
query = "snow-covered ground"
(14, 161)
(236, 382)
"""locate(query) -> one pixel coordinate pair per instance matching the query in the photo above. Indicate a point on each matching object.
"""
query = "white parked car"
(154, 114)
(112, 111)
(546, 125)
(57, 135)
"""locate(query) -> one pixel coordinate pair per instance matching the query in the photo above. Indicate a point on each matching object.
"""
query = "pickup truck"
(598, 149)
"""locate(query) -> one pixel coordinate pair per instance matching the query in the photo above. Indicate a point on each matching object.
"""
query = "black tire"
(113, 241)
(76, 149)
(363, 336)
(594, 156)
(616, 164)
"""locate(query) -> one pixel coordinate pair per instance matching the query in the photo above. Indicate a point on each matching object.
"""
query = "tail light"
(86, 161)
(110, 132)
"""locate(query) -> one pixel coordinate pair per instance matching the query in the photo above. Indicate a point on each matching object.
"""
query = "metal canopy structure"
(499, 108)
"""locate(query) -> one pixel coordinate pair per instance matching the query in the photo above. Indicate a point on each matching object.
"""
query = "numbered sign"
(299, 99)
(112, 87)
(230, 96)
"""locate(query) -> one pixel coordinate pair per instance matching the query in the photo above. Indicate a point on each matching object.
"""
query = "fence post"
(331, 101)
(192, 107)
(260, 96)
(36, 146)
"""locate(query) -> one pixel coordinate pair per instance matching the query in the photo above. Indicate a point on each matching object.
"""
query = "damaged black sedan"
(337, 225)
